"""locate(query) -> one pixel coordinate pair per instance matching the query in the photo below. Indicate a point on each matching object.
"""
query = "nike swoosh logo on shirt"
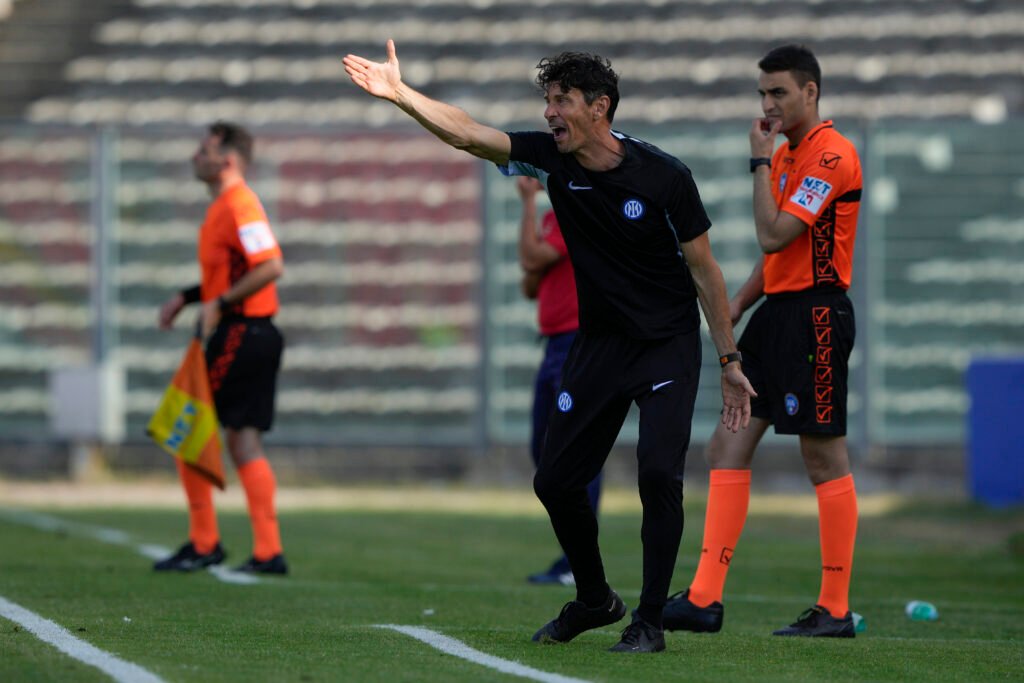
(574, 186)
(659, 386)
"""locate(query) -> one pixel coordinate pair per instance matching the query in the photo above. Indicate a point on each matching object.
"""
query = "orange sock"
(728, 499)
(202, 518)
(258, 480)
(837, 525)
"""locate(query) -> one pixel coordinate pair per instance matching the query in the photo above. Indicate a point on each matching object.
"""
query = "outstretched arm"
(454, 126)
(707, 276)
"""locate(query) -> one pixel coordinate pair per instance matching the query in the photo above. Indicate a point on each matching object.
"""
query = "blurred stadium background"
(411, 352)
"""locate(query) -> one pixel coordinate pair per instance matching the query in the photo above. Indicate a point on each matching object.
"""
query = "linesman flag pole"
(185, 423)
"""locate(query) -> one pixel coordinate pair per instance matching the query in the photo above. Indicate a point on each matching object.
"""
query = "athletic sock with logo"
(837, 526)
(202, 518)
(728, 500)
(260, 486)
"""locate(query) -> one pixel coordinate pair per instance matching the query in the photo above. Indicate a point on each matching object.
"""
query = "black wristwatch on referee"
(759, 161)
(729, 358)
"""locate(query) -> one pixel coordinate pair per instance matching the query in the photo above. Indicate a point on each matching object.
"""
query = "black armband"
(190, 295)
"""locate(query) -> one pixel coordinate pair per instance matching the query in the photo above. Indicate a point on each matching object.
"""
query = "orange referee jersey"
(235, 237)
(819, 182)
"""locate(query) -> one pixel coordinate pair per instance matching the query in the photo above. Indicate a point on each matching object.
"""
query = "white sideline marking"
(113, 537)
(60, 638)
(457, 648)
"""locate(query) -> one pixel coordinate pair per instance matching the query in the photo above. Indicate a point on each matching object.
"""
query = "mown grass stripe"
(113, 537)
(457, 648)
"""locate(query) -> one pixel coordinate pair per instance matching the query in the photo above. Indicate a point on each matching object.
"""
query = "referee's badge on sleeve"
(812, 194)
(256, 237)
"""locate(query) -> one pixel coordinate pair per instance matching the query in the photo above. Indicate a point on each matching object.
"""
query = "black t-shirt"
(622, 228)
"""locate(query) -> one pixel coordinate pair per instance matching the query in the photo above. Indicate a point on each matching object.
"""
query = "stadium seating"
(401, 303)
(172, 61)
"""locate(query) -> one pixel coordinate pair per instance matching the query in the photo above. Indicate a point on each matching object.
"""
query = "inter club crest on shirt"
(633, 209)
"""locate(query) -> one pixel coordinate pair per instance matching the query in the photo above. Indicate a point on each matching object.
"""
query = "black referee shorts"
(243, 357)
(796, 353)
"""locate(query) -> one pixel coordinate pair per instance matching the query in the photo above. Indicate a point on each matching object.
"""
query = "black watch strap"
(759, 161)
(730, 357)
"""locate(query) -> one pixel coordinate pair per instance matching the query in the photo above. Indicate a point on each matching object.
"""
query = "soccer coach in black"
(637, 237)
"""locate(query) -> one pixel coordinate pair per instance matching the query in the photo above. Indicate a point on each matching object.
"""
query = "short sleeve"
(684, 209)
(533, 154)
(819, 180)
(254, 234)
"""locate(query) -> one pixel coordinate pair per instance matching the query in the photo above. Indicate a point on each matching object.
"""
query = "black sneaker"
(188, 560)
(576, 617)
(275, 565)
(682, 615)
(640, 636)
(818, 622)
(559, 573)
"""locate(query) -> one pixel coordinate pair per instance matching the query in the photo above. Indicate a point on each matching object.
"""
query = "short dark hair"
(794, 58)
(591, 74)
(235, 137)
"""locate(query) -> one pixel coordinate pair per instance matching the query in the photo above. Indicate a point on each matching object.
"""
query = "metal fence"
(400, 301)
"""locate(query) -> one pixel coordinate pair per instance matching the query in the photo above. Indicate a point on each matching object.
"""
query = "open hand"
(378, 79)
(736, 394)
(169, 311)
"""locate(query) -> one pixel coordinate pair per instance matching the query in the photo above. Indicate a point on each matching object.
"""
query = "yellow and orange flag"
(185, 423)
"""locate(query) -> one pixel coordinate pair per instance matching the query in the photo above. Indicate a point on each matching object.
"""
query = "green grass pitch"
(462, 575)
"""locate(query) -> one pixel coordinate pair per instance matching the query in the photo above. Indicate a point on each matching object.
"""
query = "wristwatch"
(730, 357)
(759, 161)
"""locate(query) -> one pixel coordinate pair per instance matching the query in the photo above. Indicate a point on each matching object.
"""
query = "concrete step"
(39, 38)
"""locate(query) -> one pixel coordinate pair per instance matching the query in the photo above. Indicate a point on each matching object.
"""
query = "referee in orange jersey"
(239, 260)
(796, 346)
